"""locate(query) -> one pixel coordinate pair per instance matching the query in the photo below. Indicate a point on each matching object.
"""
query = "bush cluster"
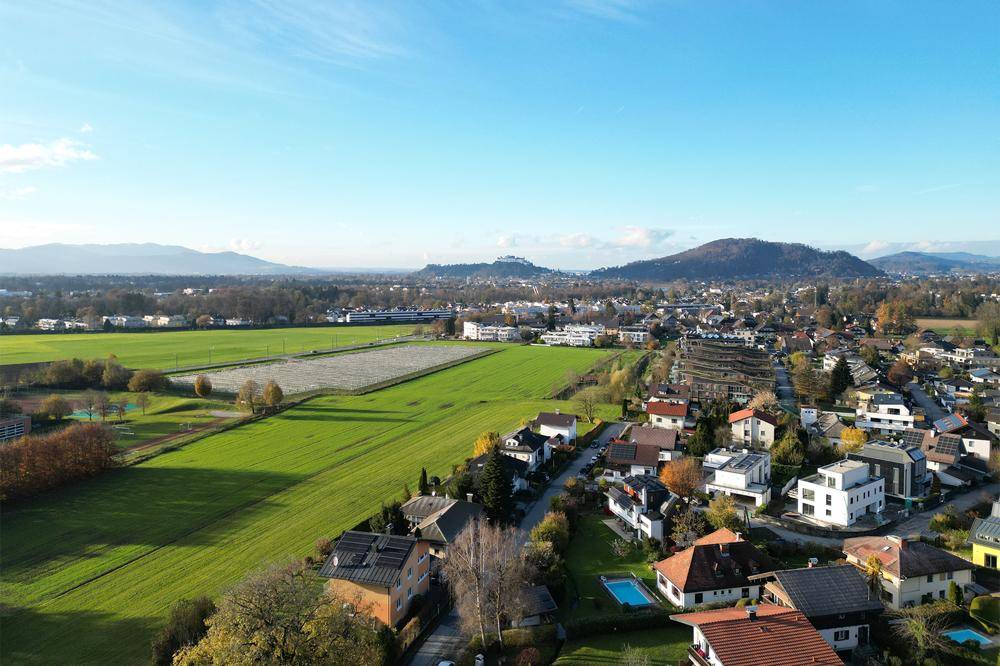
(34, 464)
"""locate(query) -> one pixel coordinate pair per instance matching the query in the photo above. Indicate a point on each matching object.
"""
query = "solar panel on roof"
(913, 437)
(949, 445)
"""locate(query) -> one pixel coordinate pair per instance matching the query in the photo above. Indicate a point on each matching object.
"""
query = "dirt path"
(163, 439)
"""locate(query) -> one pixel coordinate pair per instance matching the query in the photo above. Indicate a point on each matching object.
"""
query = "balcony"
(698, 656)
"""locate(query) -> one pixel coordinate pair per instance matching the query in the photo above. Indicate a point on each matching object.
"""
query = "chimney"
(739, 536)
(752, 612)
(468, 497)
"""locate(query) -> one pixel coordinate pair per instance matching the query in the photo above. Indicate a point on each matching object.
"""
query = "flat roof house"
(385, 571)
(743, 474)
(885, 413)
(754, 636)
(835, 600)
(902, 465)
(913, 572)
(840, 493)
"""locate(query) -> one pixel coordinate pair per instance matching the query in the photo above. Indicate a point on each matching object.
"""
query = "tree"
(203, 321)
(900, 373)
(721, 513)
(550, 321)
(148, 380)
(115, 376)
(852, 439)
(546, 564)
(495, 488)
(273, 395)
(553, 528)
(55, 407)
(988, 316)
(586, 402)
(103, 405)
(840, 377)
(922, 630)
(121, 406)
(486, 575)
(869, 354)
(389, 519)
(248, 396)
(703, 439)
(634, 657)
(485, 443)
(873, 577)
(142, 400)
(682, 477)
(185, 627)
(202, 386)
(788, 450)
(688, 526)
(955, 594)
(422, 486)
(89, 403)
(763, 400)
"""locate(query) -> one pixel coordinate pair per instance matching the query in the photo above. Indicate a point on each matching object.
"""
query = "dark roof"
(555, 419)
(887, 399)
(421, 506)
(446, 524)
(365, 557)
(905, 558)
(647, 482)
(526, 440)
(537, 600)
(890, 451)
(646, 455)
(986, 531)
(662, 438)
(516, 467)
(835, 590)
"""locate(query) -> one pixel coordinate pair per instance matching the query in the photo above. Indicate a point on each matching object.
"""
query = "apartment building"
(840, 493)
(903, 466)
(473, 330)
(722, 368)
(885, 413)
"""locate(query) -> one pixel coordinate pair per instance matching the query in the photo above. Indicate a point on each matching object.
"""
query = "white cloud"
(575, 240)
(16, 193)
(876, 246)
(86, 128)
(641, 237)
(31, 156)
(507, 241)
(243, 245)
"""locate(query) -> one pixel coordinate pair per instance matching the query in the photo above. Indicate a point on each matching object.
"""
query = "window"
(699, 597)
(409, 592)
(841, 634)
(828, 512)
(399, 584)
(399, 604)
(808, 510)
(409, 573)
(941, 594)
(746, 593)
(951, 574)
(990, 561)
(829, 500)
(930, 578)
(808, 493)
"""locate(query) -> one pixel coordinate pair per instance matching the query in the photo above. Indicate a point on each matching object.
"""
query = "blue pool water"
(962, 635)
(627, 591)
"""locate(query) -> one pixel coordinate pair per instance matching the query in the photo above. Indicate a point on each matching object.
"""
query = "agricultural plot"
(946, 326)
(168, 350)
(89, 572)
(348, 372)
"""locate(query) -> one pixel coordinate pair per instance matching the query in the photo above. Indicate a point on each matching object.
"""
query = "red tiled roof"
(722, 535)
(747, 413)
(776, 636)
(717, 561)
(666, 409)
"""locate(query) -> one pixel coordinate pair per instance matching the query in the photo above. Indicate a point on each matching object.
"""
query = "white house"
(637, 335)
(474, 330)
(642, 503)
(739, 473)
(555, 424)
(530, 447)
(840, 493)
(50, 324)
(885, 413)
(669, 415)
(574, 335)
(913, 572)
(125, 321)
(753, 428)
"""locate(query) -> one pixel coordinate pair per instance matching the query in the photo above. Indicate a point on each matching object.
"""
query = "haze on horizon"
(577, 133)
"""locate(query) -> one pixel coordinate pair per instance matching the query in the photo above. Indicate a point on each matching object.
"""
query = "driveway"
(444, 644)
(931, 408)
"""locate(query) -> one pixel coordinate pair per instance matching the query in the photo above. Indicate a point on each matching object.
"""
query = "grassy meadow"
(89, 572)
(664, 647)
(945, 326)
(166, 350)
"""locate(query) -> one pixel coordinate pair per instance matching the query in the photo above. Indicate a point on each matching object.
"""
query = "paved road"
(918, 524)
(932, 410)
(783, 387)
(446, 641)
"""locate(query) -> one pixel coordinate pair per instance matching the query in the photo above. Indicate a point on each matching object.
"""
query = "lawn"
(166, 350)
(945, 326)
(588, 557)
(666, 646)
(89, 572)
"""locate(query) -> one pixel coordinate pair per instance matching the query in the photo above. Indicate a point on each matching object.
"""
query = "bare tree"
(587, 403)
(103, 405)
(89, 403)
(487, 575)
(142, 400)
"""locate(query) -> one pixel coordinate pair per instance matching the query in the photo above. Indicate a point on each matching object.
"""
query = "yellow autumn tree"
(852, 439)
(485, 443)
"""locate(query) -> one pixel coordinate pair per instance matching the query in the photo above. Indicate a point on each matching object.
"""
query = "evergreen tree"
(423, 486)
(495, 488)
(840, 378)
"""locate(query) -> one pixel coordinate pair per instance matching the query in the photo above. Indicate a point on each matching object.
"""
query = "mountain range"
(136, 259)
(504, 267)
(925, 263)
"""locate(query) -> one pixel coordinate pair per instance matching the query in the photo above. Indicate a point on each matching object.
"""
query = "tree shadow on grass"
(139, 505)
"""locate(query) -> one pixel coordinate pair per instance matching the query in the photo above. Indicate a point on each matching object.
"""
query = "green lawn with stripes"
(169, 349)
(89, 572)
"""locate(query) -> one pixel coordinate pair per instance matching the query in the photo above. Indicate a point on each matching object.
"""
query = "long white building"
(474, 330)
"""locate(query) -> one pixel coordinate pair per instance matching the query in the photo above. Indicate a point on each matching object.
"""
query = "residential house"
(516, 468)
(993, 422)
(976, 440)
(835, 599)
(667, 414)
(755, 635)
(14, 426)
(822, 424)
(416, 509)
(715, 569)
(46, 324)
(554, 424)
(643, 503)
(913, 572)
(885, 413)
(741, 474)
(984, 376)
(861, 372)
(441, 528)
(984, 535)
(637, 335)
(679, 394)
(532, 447)
(971, 357)
(165, 321)
(474, 330)
(627, 459)
(667, 441)
(125, 321)
(944, 455)
(384, 571)
(840, 493)
(753, 428)
(902, 465)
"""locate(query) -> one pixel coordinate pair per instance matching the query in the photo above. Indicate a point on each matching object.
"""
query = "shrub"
(529, 656)
(622, 547)
(986, 609)
(33, 464)
(324, 547)
(54, 407)
(148, 380)
(554, 528)
(185, 626)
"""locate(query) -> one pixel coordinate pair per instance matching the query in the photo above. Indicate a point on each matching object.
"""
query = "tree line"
(34, 464)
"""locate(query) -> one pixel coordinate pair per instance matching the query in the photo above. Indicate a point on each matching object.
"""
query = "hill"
(135, 259)
(743, 258)
(924, 263)
(504, 267)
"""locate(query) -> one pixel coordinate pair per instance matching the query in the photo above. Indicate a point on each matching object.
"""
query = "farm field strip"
(165, 350)
(341, 371)
(194, 520)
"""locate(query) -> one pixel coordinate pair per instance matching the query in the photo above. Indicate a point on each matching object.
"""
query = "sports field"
(187, 348)
(89, 572)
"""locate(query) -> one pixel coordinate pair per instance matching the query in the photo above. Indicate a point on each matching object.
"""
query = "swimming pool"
(962, 635)
(628, 591)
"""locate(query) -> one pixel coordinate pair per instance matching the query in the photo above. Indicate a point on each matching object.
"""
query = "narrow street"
(931, 408)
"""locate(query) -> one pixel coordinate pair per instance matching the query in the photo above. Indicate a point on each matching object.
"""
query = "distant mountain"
(743, 258)
(504, 267)
(924, 263)
(135, 259)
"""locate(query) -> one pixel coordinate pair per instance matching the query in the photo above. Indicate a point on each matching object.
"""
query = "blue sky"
(577, 133)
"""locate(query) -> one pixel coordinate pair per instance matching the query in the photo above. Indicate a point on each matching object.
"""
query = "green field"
(949, 326)
(167, 350)
(89, 572)
(664, 647)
